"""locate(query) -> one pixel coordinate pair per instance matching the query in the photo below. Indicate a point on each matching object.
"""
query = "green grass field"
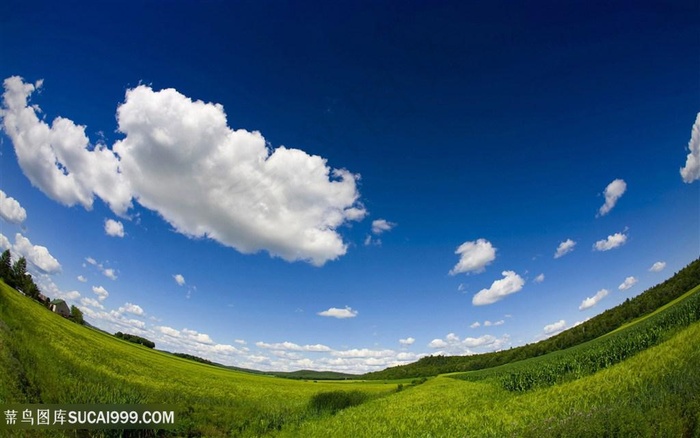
(651, 392)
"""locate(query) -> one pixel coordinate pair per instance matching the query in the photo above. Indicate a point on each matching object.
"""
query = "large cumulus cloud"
(180, 158)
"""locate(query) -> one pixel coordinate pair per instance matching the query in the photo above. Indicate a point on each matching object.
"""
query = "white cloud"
(564, 247)
(539, 278)
(592, 301)
(131, 308)
(475, 324)
(381, 225)
(657, 267)
(59, 159)
(612, 242)
(437, 343)
(291, 346)
(334, 312)
(36, 255)
(11, 210)
(82, 279)
(509, 284)
(179, 158)
(107, 272)
(407, 341)
(474, 256)
(452, 344)
(85, 301)
(628, 283)
(114, 228)
(206, 179)
(612, 193)
(555, 327)
(691, 171)
(101, 292)
(179, 279)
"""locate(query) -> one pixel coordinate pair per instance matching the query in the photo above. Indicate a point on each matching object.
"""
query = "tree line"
(135, 339)
(16, 276)
(633, 308)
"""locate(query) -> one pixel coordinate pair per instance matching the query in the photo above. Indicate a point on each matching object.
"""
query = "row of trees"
(16, 276)
(135, 339)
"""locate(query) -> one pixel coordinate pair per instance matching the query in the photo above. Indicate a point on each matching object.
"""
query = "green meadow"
(642, 379)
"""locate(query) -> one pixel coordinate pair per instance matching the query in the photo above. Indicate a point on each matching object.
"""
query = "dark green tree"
(6, 266)
(76, 315)
(19, 273)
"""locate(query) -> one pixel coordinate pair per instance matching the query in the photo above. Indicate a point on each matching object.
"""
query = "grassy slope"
(655, 393)
(47, 359)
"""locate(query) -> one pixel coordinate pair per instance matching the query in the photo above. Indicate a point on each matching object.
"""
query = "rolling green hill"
(638, 378)
(632, 309)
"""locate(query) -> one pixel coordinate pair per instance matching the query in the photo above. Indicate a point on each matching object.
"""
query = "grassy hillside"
(47, 359)
(653, 394)
(632, 309)
(641, 380)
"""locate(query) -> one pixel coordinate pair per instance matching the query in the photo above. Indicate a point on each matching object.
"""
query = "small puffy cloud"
(101, 292)
(555, 327)
(475, 324)
(474, 256)
(381, 225)
(109, 273)
(592, 301)
(179, 279)
(36, 255)
(564, 248)
(437, 343)
(488, 323)
(613, 192)
(613, 241)
(334, 312)
(628, 283)
(114, 228)
(169, 331)
(509, 284)
(82, 279)
(691, 171)
(11, 210)
(407, 341)
(657, 267)
(131, 308)
(539, 278)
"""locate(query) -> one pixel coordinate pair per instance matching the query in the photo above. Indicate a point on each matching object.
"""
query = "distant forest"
(633, 308)
(135, 339)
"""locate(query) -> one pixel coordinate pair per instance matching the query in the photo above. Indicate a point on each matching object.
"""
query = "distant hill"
(314, 375)
(633, 308)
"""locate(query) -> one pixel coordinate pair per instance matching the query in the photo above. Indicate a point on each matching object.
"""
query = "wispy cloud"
(613, 192)
(628, 283)
(564, 248)
(657, 267)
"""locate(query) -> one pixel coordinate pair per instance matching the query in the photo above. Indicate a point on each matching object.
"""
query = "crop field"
(642, 380)
(47, 359)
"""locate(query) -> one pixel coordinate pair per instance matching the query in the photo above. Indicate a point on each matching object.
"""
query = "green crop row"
(595, 355)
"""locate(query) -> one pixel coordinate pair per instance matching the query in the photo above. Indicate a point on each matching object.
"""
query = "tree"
(19, 273)
(6, 266)
(76, 315)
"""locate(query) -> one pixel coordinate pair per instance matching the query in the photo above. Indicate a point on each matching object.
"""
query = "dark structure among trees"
(16, 276)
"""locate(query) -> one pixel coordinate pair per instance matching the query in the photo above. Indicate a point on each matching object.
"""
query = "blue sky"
(347, 185)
